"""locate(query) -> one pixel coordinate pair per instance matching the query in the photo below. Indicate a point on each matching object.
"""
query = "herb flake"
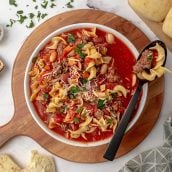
(44, 4)
(76, 120)
(31, 24)
(101, 104)
(79, 51)
(79, 110)
(70, 38)
(13, 2)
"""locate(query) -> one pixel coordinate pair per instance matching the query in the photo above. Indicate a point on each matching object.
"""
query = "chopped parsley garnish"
(73, 92)
(80, 45)
(109, 120)
(76, 120)
(36, 7)
(31, 24)
(20, 12)
(31, 15)
(43, 15)
(69, 5)
(12, 21)
(39, 15)
(22, 18)
(63, 109)
(79, 51)
(84, 80)
(74, 89)
(52, 5)
(149, 56)
(70, 38)
(79, 110)
(46, 96)
(44, 4)
(13, 2)
(114, 95)
(101, 104)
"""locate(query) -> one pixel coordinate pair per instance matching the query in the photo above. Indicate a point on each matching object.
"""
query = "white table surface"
(20, 147)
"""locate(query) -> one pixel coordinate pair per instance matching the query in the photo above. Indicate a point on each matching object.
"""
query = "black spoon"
(120, 131)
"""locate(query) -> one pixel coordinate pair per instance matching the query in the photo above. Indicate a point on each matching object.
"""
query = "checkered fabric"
(158, 159)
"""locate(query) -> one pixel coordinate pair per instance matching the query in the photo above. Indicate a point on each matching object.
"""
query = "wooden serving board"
(156, 27)
(23, 123)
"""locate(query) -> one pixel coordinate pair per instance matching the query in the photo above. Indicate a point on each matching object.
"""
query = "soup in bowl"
(79, 82)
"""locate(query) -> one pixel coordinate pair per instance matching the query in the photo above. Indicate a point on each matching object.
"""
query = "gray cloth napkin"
(158, 159)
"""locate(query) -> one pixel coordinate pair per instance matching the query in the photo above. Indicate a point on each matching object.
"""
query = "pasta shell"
(134, 79)
(87, 121)
(77, 133)
(90, 64)
(92, 73)
(120, 88)
(103, 69)
(53, 56)
(149, 77)
(107, 59)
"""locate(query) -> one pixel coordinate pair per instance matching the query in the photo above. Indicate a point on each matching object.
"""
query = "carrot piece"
(85, 75)
(68, 48)
(47, 67)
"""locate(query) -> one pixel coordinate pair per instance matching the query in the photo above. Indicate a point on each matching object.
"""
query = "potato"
(155, 10)
(167, 25)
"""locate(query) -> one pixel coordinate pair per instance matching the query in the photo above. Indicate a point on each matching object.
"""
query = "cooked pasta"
(81, 83)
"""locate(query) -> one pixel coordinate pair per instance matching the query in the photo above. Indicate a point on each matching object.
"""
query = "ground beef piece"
(98, 39)
(144, 62)
(85, 39)
(60, 48)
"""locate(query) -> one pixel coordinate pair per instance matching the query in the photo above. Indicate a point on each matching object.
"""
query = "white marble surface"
(21, 146)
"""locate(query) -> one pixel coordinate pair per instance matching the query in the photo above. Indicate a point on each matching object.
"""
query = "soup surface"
(81, 83)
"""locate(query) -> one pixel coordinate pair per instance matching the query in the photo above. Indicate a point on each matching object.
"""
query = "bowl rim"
(30, 106)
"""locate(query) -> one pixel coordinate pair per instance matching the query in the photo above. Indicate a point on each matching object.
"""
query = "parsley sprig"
(30, 19)
(78, 50)
(101, 104)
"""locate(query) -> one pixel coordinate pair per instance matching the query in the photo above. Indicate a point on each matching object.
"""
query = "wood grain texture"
(156, 27)
(23, 123)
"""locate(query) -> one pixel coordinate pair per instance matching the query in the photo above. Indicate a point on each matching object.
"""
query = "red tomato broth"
(124, 61)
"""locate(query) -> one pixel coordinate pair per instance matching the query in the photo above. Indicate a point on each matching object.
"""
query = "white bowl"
(27, 90)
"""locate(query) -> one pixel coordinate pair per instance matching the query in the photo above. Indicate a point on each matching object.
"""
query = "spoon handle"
(120, 131)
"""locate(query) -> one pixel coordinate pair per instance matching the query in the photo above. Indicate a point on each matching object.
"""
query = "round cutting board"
(23, 124)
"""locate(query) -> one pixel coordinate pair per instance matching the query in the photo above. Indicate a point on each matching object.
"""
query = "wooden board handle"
(8, 131)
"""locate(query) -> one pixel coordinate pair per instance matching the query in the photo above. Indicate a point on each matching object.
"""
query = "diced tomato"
(87, 60)
(90, 108)
(40, 108)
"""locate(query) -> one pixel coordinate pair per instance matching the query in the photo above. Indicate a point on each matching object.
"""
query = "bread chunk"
(155, 10)
(167, 25)
(40, 163)
(8, 165)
